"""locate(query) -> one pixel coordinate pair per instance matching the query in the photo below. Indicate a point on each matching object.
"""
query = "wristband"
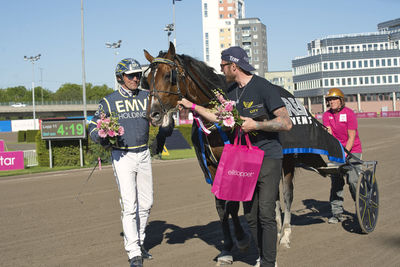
(193, 106)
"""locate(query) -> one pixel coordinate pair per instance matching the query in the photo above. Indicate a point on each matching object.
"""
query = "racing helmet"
(127, 66)
(335, 93)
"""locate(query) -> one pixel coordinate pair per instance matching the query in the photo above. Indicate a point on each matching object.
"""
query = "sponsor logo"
(247, 104)
(240, 173)
(233, 59)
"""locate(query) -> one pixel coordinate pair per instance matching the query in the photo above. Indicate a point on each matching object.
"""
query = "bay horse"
(173, 77)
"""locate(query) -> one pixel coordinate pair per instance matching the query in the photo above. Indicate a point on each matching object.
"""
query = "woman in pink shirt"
(341, 122)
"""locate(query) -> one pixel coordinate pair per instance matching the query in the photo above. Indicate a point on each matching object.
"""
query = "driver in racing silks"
(131, 159)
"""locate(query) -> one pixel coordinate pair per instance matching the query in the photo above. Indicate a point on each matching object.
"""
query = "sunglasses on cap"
(225, 64)
(133, 75)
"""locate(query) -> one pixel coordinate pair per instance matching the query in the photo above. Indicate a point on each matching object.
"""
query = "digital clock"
(63, 129)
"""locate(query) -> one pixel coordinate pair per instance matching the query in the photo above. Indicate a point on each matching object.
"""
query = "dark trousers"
(260, 211)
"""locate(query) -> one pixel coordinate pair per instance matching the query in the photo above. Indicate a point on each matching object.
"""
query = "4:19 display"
(73, 129)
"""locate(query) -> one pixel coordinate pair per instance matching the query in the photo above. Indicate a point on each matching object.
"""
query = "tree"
(97, 92)
(16, 94)
(68, 92)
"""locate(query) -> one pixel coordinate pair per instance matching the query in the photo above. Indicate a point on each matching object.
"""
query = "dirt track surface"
(43, 224)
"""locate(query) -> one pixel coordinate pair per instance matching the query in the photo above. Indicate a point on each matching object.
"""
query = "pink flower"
(98, 124)
(229, 106)
(111, 133)
(221, 99)
(121, 130)
(102, 133)
(229, 122)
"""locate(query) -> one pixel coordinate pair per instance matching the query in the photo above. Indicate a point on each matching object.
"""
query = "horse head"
(164, 82)
(174, 76)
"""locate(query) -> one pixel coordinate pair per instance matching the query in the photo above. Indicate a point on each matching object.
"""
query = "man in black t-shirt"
(264, 114)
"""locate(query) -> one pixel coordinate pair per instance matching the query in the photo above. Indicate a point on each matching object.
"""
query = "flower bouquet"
(225, 110)
(109, 127)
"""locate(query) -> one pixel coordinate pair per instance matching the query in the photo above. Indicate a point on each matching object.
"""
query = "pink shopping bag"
(238, 171)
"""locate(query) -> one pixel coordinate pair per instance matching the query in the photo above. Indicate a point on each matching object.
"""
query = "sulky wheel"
(367, 201)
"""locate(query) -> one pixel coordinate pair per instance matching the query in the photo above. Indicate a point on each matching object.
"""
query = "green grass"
(180, 154)
(36, 169)
(173, 154)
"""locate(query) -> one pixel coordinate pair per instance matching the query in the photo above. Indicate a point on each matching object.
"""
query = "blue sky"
(53, 29)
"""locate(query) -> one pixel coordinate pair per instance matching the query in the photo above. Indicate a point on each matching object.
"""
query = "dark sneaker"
(136, 261)
(336, 218)
(145, 254)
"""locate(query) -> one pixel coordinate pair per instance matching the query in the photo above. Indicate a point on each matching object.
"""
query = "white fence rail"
(30, 158)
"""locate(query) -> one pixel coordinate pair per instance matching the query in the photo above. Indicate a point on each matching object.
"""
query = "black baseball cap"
(237, 55)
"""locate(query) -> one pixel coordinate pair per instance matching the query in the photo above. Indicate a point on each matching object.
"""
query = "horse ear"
(149, 57)
(171, 50)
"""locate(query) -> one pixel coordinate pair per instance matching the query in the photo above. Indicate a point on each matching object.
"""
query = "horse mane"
(205, 73)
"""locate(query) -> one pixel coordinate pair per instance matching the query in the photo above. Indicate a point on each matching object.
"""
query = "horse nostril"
(155, 115)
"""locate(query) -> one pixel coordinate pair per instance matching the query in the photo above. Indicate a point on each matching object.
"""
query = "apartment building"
(281, 78)
(224, 25)
(365, 66)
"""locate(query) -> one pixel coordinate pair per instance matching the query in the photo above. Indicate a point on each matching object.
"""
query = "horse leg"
(225, 257)
(242, 238)
(287, 186)
(278, 216)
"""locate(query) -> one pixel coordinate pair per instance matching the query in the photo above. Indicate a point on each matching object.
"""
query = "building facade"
(366, 67)
(251, 35)
(281, 78)
(224, 25)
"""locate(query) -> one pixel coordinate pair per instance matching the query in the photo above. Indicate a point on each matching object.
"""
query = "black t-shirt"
(257, 100)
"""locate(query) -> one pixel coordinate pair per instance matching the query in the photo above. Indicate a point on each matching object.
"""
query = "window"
(366, 80)
(348, 81)
(205, 10)
(337, 65)
(396, 78)
(390, 78)
(347, 48)
(389, 62)
(383, 79)
(335, 49)
(354, 64)
(326, 82)
(378, 79)
(365, 63)
(372, 80)
(355, 81)
(360, 64)
(377, 63)
(343, 65)
(360, 79)
(371, 63)
(395, 62)
(332, 82)
(348, 64)
(331, 66)
(325, 66)
(383, 62)
(330, 49)
(343, 81)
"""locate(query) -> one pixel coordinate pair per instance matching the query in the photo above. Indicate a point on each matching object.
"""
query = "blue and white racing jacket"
(131, 113)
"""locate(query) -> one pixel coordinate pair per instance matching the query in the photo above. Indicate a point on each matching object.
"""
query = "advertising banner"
(366, 115)
(12, 160)
(1, 145)
(386, 114)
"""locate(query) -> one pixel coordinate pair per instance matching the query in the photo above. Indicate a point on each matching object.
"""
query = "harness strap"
(203, 155)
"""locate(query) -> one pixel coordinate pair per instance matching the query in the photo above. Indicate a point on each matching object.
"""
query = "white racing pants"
(135, 183)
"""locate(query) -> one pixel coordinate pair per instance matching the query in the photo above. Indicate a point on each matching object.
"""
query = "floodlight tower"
(115, 46)
(32, 59)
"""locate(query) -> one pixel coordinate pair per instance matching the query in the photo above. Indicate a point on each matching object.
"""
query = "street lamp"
(169, 28)
(115, 46)
(33, 59)
(173, 19)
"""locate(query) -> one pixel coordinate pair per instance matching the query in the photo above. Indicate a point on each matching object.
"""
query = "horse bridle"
(154, 91)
